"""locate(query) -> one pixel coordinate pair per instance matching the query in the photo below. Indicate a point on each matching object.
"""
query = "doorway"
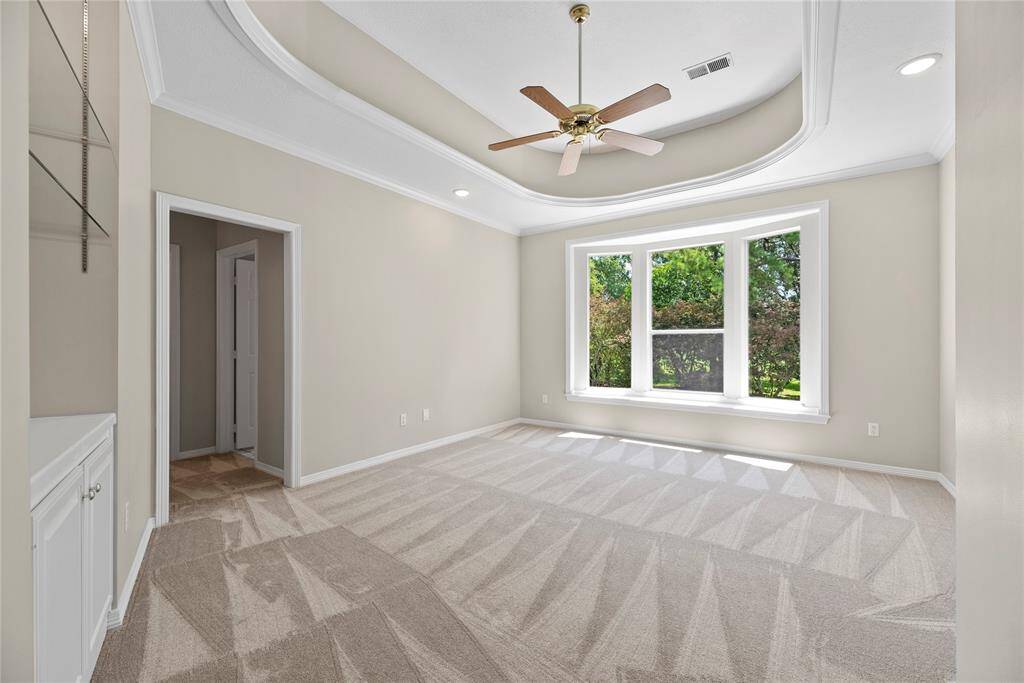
(239, 289)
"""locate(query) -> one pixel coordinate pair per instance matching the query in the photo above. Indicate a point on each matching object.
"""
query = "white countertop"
(56, 445)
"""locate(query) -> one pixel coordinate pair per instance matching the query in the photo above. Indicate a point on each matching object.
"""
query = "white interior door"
(174, 423)
(246, 353)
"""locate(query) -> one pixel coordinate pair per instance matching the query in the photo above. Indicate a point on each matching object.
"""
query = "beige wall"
(990, 340)
(403, 307)
(16, 618)
(73, 330)
(947, 316)
(135, 318)
(270, 274)
(883, 308)
(197, 238)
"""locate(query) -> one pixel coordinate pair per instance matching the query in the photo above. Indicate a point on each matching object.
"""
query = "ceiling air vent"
(709, 67)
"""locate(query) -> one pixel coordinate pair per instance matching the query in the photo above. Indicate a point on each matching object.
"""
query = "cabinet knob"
(93, 490)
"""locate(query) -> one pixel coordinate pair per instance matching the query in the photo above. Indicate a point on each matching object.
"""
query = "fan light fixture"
(582, 120)
(919, 65)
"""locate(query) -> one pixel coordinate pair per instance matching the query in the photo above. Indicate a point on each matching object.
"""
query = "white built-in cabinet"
(72, 541)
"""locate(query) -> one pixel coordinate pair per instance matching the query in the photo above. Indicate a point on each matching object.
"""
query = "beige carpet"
(534, 554)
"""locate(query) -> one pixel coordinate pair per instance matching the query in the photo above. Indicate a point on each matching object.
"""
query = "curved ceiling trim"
(820, 27)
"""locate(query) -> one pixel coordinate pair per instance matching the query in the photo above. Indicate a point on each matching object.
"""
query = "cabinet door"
(98, 539)
(57, 565)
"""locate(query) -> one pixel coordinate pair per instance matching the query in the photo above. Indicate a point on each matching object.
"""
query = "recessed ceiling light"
(460, 192)
(919, 65)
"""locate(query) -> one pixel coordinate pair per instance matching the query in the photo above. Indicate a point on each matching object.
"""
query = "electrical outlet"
(403, 419)
(126, 517)
(872, 429)
(544, 399)
(426, 414)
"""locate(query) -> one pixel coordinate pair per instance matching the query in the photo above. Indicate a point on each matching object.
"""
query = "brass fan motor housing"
(582, 123)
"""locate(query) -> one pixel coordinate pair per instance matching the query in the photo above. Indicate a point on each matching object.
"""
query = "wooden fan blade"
(634, 143)
(638, 101)
(525, 140)
(547, 101)
(570, 158)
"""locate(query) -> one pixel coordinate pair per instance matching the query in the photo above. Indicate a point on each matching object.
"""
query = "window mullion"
(735, 342)
(811, 337)
(641, 322)
(579, 378)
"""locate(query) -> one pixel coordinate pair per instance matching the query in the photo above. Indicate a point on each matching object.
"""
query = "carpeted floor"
(534, 554)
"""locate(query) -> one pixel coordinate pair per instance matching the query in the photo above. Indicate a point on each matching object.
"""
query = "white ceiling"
(214, 61)
(484, 52)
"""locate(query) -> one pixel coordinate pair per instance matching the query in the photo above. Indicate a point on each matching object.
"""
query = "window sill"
(767, 409)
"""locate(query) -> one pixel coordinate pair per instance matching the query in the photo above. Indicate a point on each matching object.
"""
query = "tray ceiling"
(215, 62)
(484, 52)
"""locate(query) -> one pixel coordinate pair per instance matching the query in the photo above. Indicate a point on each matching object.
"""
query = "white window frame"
(735, 232)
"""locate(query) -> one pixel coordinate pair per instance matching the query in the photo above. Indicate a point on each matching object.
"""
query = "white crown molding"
(141, 14)
(877, 168)
(282, 144)
(819, 42)
(947, 138)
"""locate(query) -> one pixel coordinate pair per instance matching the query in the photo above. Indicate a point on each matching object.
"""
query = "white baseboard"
(269, 469)
(400, 453)
(115, 617)
(782, 455)
(261, 466)
(946, 483)
(194, 453)
(646, 436)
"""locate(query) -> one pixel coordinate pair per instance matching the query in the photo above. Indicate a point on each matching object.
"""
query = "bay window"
(725, 316)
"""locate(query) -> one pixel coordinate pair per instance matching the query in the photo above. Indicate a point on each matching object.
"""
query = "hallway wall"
(197, 239)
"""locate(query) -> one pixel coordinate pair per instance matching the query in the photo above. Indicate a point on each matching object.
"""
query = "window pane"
(610, 319)
(774, 309)
(688, 362)
(686, 288)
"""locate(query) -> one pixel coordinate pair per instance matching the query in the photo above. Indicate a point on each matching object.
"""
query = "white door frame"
(292, 233)
(175, 351)
(225, 341)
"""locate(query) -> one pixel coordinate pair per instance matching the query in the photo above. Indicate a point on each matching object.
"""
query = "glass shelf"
(57, 107)
(54, 209)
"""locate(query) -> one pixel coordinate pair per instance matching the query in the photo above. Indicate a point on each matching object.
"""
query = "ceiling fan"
(581, 120)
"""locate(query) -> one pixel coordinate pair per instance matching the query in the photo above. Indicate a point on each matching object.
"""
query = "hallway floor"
(536, 554)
